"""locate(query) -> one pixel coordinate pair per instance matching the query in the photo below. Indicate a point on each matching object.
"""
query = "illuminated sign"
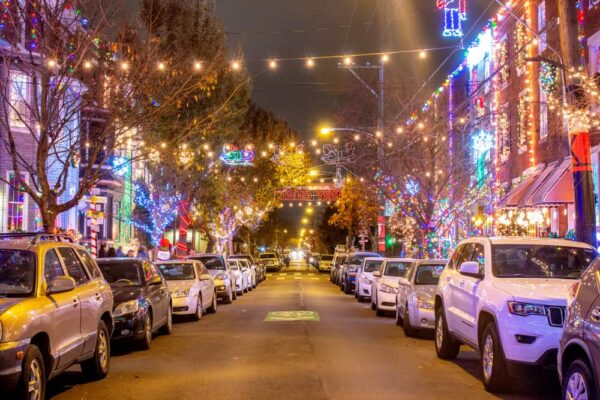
(234, 156)
(309, 193)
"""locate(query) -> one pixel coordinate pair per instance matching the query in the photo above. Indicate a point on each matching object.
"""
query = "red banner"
(310, 193)
(581, 159)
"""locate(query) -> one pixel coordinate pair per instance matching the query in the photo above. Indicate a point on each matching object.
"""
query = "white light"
(197, 66)
(422, 54)
(347, 61)
(273, 64)
(235, 65)
(385, 58)
(310, 63)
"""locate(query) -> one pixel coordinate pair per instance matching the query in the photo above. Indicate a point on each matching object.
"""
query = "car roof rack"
(38, 237)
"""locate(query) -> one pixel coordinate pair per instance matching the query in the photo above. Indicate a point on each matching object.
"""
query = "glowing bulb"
(161, 66)
(124, 66)
(399, 130)
(273, 64)
(347, 61)
(422, 54)
(197, 66)
(314, 143)
(87, 65)
(235, 65)
(51, 63)
(357, 137)
(378, 134)
(385, 58)
(310, 63)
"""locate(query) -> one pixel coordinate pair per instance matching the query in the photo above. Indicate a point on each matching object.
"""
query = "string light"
(273, 64)
(87, 65)
(51, 63)
(347, 61)
(385, 58)
(235, 65)
(310, 63)
(422, 54)
(197, 66)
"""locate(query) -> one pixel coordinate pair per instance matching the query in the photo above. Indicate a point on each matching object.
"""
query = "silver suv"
(579, 350)
(55, 311)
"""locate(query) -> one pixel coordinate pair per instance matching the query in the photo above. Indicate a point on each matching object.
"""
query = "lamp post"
(377, 138)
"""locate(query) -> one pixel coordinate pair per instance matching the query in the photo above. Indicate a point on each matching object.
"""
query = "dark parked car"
(579, 349)
(142, 302)
(349, 269)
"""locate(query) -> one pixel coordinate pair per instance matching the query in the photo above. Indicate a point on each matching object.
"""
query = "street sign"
(282, 316)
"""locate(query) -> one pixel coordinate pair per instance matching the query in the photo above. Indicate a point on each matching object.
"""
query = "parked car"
(240, 281)
(142, 303)
(249, 273)
(256, 266)
(325, 262)
(350, 269)
(191, 286)
(385, 284)
(55, 311)
(336, 268)
(222, 275)
(416, 295)
(270, 261)
(579, 348)
(364, 277)
(313, 259)
(506, 298)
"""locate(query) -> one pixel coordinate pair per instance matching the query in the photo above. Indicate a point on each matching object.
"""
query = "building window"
(542, 25)
(543, 115)
(17, 205)
(18, 100)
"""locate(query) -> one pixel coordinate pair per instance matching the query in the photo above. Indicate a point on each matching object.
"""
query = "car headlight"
(221, 277)
(425, 303)
(526, 309)
(129, 307)
(388, 289)
(365, 281)
(181, 293)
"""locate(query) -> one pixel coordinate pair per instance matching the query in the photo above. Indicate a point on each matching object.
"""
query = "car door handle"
(75, 302)
(595, 314)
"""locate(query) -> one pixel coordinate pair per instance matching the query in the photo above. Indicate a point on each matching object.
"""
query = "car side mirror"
(204, 277)
(155, 281)
(61, 284)
(377, 274)
(470, 268)
(403, 281)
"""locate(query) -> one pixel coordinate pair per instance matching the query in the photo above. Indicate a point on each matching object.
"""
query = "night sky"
(265, 29)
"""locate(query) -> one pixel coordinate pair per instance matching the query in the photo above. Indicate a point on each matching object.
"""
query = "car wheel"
(357, 291)
(409, 331)
(198, 314)
(229, 298)
(446, 347)
(213, 307)
(579, 382)
(398, 317)
(146, 341)
(347, 288)
(495, 373)
(32, 383)
(167, 328)
(378, 311)
(97, 367)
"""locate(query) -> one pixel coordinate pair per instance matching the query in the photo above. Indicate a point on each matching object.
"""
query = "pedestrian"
(102, 250)
(120, 252)
(111, 252)
(142, 252)
(130, 253)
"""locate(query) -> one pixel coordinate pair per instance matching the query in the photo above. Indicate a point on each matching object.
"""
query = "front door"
(466, 295)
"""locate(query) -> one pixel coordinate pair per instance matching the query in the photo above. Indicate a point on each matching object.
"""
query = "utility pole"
(579, 132)
(379, 94)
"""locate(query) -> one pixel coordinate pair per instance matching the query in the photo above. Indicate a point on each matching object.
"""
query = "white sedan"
(191, 286)
(241, 277)
(364, 277)
(416, 294)
(249, 273)
(385, 284)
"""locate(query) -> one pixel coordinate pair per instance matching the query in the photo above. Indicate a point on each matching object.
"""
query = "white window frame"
(25, 224)
(541, 15)
(15, 118)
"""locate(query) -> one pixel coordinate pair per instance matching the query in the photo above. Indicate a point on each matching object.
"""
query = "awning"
(516, 196)
(527, 199)
(557, 189)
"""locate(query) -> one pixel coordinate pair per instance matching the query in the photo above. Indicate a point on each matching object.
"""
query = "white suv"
(506, 297)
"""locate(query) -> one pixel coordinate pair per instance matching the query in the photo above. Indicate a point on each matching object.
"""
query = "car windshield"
(212, 262)
(372, 265)
(177, 272)
(267, 255)
(17, 273)
(358, 258)
(429, 274)
(233, 265)
(396, 268)
(121, 274)
(326, 257)
(540, 261)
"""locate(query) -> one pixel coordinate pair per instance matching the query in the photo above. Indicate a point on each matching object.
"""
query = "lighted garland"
(523, 120)
(548, 78)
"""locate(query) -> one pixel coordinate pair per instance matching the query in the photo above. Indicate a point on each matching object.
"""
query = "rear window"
(211, 262)
(17, 272)
(372, 265)
(177, 272)
(327, 257)
(121, 274)
(267, 255)
(396, 268)
(429, 274)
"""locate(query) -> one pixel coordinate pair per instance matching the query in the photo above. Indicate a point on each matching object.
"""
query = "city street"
(348, 354)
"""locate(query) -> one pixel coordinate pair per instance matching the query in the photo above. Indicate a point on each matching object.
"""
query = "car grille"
(556, 316)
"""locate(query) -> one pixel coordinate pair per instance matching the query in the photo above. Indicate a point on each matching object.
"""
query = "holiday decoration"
(548, 78)
(455, 12)
(164, 250)
(234, 156)
(333, 155)
(161, 211)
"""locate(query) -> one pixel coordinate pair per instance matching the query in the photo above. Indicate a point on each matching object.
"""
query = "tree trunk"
(48, 220)
(184, 221)
(210, 246)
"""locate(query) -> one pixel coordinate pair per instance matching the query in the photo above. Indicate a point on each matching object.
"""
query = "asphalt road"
(235, 354)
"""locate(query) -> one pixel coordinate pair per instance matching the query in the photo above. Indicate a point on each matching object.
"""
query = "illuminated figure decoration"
(332, 155)
(234, 156)
(455, 12)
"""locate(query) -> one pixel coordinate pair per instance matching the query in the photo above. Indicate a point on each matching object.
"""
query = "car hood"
(425, 291)
(368, 275)
(390, 281)
(215, 272)
(543, 291)
(125, 293)
(8, 302)
(180, 285)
